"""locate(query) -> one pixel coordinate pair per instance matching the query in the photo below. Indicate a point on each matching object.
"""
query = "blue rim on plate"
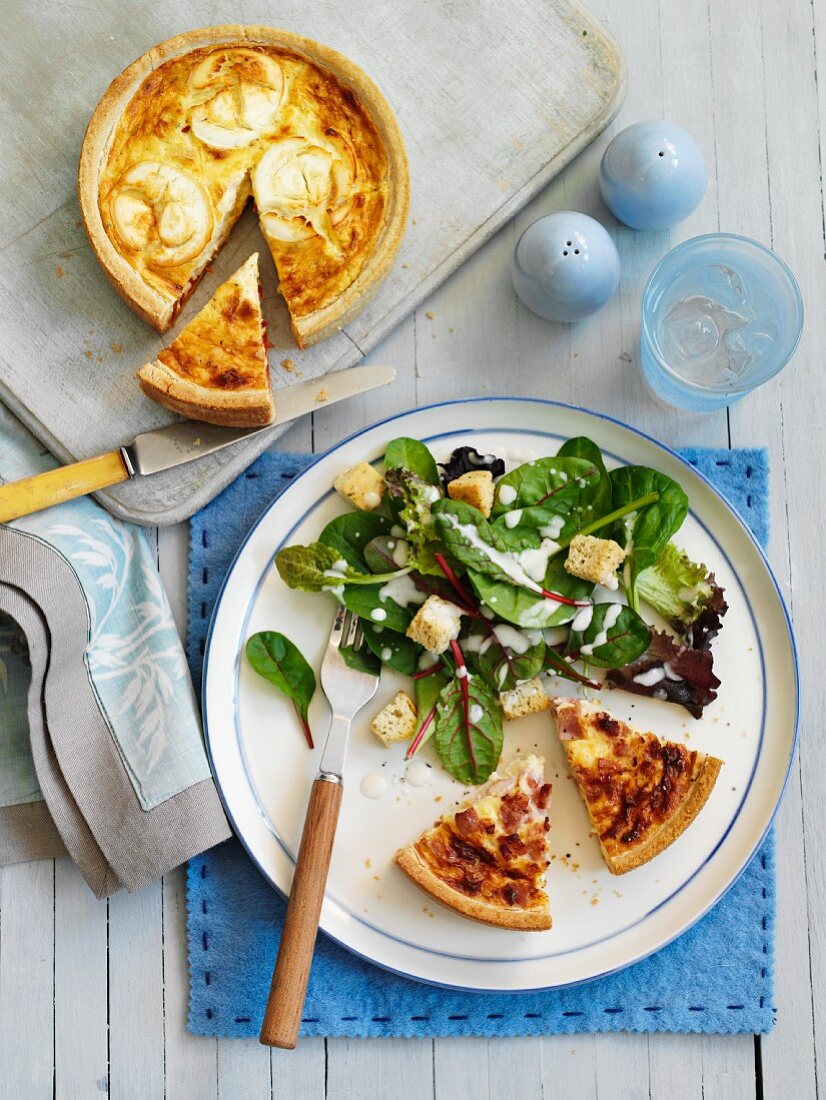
(740, 523)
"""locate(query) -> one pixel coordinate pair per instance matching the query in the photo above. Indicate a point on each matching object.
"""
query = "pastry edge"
(665, 836)
(232, 410)
(524, 920)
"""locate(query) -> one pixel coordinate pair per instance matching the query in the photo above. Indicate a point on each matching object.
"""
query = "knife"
(165, 448)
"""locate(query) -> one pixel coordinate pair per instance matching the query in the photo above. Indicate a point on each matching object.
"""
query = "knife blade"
(163, 449)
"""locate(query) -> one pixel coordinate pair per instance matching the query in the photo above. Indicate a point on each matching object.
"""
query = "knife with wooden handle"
(152, 452)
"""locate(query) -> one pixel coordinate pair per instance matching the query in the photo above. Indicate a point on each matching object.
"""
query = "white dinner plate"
(600, 922)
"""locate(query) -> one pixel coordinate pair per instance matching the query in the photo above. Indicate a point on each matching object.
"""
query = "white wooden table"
(93, 995)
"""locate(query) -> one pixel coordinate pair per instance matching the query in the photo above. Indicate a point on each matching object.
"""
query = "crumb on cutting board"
(323, 395)
(288, 364)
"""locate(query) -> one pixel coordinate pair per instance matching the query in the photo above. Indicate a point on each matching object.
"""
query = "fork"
(347, 689)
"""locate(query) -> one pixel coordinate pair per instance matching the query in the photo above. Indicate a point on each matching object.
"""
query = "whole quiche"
(196, 126)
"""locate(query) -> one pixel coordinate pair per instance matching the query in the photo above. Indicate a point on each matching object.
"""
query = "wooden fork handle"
(282, 1018)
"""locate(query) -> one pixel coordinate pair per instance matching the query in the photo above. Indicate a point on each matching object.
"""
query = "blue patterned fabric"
(134, 657)
(234, 916)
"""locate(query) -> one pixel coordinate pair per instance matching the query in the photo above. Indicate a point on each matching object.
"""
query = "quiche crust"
(487, 858)
(216, 369)
(641, 792)
(142, 171)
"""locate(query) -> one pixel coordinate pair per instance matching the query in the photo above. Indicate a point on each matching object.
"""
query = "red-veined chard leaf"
(501, 666)
(469, 729)
(279, 661)
(427, 690)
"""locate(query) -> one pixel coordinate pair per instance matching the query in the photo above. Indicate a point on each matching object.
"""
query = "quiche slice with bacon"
(641, 792)
(216, 368)
(487, 858)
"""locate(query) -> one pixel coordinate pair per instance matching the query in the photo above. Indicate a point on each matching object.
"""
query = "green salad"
(517, 608)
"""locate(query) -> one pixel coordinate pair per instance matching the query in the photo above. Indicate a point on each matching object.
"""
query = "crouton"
(362, 486)
(475, 487)
(397, 721)
(594, 559)
(527, 698)
(436, 624)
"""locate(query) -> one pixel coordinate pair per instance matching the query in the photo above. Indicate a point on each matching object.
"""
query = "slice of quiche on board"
(487, 858)
(216, 368)
(641, 792)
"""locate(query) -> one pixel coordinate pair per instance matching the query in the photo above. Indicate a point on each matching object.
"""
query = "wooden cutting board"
(493, 100)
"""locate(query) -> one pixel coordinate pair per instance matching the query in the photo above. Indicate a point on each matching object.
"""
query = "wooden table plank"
(798, 235)
(136, 994)
(81, 987)
(27, 981)
(191, 1062)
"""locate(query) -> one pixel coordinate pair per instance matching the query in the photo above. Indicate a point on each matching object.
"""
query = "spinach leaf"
(528, 609)
(362, 660)
(411, 455)
(312, 568)
(655, 523)
(501, 666)
(479, 546)
(393, 649)
(615, 645)
(469, 729)
(279, 661)
(365, 599)
(595, 498)
(378, 553)
(544, 482)
(349, 534)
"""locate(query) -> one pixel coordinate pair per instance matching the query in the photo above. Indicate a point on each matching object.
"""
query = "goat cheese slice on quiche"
(487, 858)
(187, 133)
(641, 792)
(216, 368)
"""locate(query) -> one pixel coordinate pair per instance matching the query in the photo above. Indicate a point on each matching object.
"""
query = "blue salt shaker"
(565, 266)
(652, 175)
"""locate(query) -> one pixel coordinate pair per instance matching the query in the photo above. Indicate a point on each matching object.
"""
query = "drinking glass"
(721, 315)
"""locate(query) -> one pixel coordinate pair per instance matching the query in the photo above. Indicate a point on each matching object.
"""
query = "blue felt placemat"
(715, 978)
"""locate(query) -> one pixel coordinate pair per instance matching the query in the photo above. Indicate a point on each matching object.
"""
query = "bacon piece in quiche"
(216, 368)
(487, 858)
(641, 793)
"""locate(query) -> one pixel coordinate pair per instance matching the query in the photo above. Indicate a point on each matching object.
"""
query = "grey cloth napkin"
(117, 775)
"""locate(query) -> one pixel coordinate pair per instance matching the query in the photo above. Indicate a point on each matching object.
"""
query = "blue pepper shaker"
(652, 175)
(565, 266)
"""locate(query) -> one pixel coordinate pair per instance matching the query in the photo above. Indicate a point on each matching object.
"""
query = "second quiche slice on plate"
(641, 792)
(216, 368)
(487, 858)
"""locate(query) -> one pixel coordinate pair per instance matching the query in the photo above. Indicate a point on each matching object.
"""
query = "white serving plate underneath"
(601, 922)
